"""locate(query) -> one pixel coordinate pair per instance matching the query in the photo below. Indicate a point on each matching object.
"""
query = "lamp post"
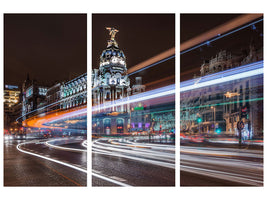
(214, 116)
(199, 120)
(230, 95)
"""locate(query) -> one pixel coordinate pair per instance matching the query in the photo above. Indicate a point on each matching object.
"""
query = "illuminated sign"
(139, 108)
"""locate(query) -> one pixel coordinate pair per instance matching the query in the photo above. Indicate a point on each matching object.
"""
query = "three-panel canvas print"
(138, 98)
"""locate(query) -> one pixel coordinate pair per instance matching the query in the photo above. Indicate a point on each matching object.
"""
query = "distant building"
(12, 106)
(32, 96)
(222, 61)
(11, 96)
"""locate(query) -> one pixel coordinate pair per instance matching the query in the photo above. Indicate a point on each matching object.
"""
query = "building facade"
(73, 93)
(217, 109)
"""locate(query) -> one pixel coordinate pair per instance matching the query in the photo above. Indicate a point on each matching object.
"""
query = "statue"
(112, 32)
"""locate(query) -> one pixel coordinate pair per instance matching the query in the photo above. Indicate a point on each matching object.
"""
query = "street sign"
(240, 125)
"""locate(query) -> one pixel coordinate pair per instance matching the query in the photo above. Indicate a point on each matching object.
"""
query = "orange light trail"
(160, 80)
(152, 60)
(228, 26)
(39, 121)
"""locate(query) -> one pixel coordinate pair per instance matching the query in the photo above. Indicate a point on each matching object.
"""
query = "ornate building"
(218, 108)
(110, 83)
(222, 61)
(74, 92)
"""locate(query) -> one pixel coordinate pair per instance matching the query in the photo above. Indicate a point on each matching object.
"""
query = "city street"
(121, 162)
(214, 166)
(221, 100)
(42, 163)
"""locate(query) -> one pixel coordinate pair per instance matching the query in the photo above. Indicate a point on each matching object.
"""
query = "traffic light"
(199, 120)
(218, 130)
(244, 112)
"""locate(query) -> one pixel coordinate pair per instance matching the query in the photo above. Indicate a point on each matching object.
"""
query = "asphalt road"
(36, 164)
(214, 166)
(125, 163)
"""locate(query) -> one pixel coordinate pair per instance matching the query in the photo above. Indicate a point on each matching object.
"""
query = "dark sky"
(140, 36)
(50, 47)
(193, 25)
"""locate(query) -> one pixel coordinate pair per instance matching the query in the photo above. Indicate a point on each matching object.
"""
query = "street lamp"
(214, 116)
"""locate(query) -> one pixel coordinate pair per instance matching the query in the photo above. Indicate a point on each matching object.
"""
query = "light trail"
(153, 146)
(48, 143)
(161, 80)
(222, 175)
(84, 144)
(218, 32)
(50, 159)
(236, 165)
(110, 180)
(235, 141)
(68, 165)
(160, 92)
(166, 55)
(237, 73)
(219, 104)
(152, 65)
(40, 121)
(222, 152)
(137, 152)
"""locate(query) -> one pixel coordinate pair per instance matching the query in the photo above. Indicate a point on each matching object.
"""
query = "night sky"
(193, 25)
(140, 37)
(50, 47)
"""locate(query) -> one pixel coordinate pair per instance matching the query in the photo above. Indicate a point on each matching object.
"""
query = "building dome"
(112, 59)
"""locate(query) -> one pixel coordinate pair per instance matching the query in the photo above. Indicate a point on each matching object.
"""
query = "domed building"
(109, 83)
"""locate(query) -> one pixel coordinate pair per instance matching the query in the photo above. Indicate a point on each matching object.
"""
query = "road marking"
(111, 180)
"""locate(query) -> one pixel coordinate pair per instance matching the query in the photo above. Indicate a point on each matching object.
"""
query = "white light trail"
(220, 152)
(110, 180)
(64, 148)
(160, 92)
(69, 165)
(50, 159)
(224, 76)
(222, 175)
(235, 165)
(84, 144)
(135, 152)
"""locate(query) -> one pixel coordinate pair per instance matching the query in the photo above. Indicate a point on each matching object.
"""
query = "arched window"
(107, 77)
